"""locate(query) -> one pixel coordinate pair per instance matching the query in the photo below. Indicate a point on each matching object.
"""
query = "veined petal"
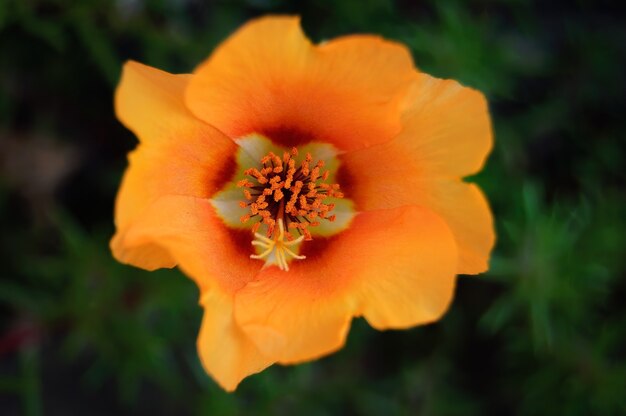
(268, 78)
(225, 351)
(395, 267)
(196, 239)
(423, 166)
(178, 154)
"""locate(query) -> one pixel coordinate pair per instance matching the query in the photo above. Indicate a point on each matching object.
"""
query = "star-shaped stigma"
(277, 245)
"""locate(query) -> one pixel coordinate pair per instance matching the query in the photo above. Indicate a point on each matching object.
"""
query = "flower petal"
(293, 316)
(178, 154)
(396, 267)
(466, 211)
(268, 78)
(446, 128)
(447, 135)
(196, 239)
(409, 279)
(226, 353)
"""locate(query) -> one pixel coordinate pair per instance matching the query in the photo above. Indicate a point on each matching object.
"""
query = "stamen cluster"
(280, 190)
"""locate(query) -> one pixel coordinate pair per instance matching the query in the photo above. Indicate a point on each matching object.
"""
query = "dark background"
(544, 332)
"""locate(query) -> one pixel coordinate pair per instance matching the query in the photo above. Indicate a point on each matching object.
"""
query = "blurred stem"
(31, 390)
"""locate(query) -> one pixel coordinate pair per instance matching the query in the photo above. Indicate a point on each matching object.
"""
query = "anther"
(282, 191)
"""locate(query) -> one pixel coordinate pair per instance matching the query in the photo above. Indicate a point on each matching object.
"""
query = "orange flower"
(302, 185)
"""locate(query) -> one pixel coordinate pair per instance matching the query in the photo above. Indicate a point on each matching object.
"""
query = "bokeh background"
(544, 332)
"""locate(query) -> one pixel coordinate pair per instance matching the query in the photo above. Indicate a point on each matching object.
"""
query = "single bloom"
(300, 186)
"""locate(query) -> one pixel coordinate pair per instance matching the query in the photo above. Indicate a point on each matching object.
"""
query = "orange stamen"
(287, 192)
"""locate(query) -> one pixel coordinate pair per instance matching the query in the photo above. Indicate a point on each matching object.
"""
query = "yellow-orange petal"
(461, 205)
(447, 135)
(225, 351)
(446, 128)
(189, 230)
(292, 317)
(178, 154)
(268, 78)
(466, 211)
(410, 278)
(395, 267)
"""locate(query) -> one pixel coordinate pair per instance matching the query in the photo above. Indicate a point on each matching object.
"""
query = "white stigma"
(278, 246)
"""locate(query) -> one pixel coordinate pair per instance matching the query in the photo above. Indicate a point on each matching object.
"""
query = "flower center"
(288, 198)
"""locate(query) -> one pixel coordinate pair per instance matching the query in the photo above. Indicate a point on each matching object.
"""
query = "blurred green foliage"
(542, 333)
